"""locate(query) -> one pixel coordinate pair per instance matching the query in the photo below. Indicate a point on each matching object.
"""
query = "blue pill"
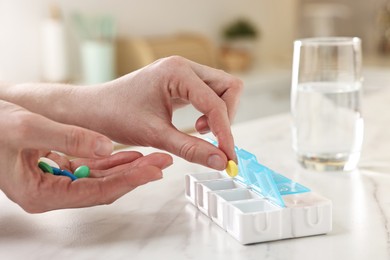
(69, 174)
(66, 173)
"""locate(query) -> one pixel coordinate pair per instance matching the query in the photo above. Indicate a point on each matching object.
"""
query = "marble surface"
(155, 221)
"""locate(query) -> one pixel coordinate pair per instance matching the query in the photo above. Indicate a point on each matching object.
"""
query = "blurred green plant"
(241, 29)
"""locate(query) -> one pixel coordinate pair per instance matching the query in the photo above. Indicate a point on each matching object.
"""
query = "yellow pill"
(231, 168)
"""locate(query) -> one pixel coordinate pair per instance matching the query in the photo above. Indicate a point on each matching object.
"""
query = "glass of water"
(326, 95)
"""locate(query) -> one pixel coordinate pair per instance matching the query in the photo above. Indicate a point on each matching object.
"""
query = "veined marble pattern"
(155, 221)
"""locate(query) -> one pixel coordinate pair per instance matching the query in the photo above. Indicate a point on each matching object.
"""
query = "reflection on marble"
(156, 221)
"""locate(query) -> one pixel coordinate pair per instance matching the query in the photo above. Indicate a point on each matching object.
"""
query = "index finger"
(206, 101)
(226, 86)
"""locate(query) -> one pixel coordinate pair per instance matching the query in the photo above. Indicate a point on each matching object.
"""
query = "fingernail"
(103, 147)
(216, 162)
(205, 130)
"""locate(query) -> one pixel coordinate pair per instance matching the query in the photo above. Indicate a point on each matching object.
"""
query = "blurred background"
(87, 42)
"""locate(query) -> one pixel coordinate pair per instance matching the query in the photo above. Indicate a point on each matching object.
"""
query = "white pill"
(49, 162)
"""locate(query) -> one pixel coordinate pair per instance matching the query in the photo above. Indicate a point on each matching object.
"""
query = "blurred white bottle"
(54, 48)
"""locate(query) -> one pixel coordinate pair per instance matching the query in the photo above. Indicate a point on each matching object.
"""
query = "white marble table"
(156, 221)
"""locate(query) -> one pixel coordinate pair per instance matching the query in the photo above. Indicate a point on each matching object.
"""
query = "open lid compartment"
(286, 186)
(257, 177)
(263, 180)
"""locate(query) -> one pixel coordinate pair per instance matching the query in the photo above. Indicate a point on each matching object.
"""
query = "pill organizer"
(258, 204)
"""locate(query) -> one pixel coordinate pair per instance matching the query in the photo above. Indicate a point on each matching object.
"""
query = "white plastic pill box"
(259, 205)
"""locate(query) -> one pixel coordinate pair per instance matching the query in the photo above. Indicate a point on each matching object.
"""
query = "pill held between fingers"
(68, 174)
(82, 171)
(231, 168)
(59, 172)
(49, 162)
(45, 167)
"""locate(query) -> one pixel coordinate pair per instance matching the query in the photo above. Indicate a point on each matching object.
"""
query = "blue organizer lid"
(258, 177)
(266, 184)
(263, 180)
(244, 159)
(287, 186)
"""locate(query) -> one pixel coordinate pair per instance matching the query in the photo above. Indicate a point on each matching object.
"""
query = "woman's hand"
(137, 109)
(27, 136)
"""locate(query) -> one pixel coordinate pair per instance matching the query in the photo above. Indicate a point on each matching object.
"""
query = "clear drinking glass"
(326, 94)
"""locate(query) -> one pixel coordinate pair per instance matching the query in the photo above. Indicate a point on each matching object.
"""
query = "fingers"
(226, 86)
(229, 89)
(212, 92)
(41, 192)
(60, 192)
(120, 158)
(202, 126)
(220, 127)
(38, 132)
(159, 160)
(193, 149)
(215, 111)
(108, 189)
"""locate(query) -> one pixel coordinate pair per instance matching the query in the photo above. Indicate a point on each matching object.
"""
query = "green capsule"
(82, 171)
(45, 167)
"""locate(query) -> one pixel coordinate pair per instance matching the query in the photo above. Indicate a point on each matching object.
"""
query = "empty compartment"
(237, 194)
(203, 190)
(192, 179)
(306, 199)
(219, 199)
(255, 206)
(311, 214)
(254, 221)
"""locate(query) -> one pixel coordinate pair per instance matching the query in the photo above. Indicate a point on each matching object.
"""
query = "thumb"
(72, 140)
